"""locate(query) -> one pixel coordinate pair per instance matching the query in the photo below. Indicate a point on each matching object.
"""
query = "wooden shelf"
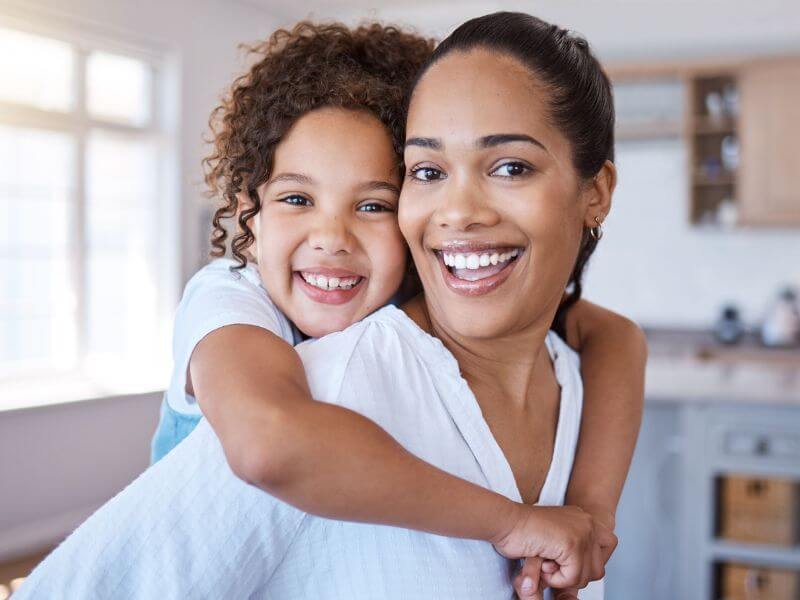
(726, 179)
(705, 125)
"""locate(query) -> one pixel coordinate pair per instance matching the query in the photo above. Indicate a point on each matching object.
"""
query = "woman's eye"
(426, 174)
(512, 169)
(373, 207)
(295, 200)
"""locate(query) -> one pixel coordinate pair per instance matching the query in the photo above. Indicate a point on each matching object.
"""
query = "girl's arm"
(613, 353)
(333, 462)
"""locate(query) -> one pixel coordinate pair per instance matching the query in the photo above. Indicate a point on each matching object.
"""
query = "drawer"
(745, 582)
(759, 510)
(761, 444)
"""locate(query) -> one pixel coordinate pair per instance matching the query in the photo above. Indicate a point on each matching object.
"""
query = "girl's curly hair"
(308, 67)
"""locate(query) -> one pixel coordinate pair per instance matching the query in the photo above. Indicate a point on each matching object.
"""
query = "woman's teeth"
(477, 260)
(330, 283)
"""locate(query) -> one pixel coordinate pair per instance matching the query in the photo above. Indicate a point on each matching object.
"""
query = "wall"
(57, 463)
(653, 266)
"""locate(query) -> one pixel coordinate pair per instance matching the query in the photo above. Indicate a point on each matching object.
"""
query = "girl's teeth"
(494, 258)
(484, 260)
(473, 262)
(334, 283)
(460, 261)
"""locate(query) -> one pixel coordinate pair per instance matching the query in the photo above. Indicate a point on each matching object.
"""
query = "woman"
(509, 177)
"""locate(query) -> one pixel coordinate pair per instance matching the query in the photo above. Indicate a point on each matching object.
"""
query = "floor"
(12, 570)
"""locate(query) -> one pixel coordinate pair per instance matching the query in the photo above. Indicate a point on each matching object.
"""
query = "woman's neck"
(509, 364)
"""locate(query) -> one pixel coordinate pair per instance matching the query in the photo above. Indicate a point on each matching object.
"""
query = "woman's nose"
(330, 235)
(463, 208)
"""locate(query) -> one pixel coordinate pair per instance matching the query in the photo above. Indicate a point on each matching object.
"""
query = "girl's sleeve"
(216, 297)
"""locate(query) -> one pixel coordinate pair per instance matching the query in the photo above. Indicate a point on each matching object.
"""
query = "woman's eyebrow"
(423, 142)
(373, 186)
(496, 139)
(487, 141)
(293, 178)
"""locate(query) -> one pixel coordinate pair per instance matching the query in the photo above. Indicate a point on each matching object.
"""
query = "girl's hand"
(565, 535)
(527, 580)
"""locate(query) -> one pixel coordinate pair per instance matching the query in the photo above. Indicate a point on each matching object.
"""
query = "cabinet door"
(770, 157)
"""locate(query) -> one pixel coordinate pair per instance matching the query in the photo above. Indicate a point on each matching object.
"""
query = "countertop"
(691, 366)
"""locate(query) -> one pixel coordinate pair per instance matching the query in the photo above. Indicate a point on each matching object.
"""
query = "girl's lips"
(479, 287)
(337, 296)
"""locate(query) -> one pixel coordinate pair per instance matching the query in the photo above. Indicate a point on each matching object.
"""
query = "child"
(312, 224)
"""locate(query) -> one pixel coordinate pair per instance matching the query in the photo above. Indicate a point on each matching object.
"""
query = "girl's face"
(328, 247)
(492, 207)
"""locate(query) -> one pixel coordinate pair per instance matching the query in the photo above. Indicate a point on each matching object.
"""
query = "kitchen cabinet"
(769, 130)
(740, 120)
(672, 542)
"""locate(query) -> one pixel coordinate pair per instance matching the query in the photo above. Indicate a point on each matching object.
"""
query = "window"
(88, 252)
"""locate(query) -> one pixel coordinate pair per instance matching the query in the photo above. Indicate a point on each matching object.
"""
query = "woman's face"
(492, 207)
(328, 247)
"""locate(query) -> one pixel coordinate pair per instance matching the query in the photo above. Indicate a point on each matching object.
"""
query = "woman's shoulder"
(384, 343)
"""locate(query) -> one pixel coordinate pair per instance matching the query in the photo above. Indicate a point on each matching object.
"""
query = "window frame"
(163, 126)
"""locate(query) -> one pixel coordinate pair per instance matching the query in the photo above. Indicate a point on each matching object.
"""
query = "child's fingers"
(549, 566)
(526, 583)
(566, 594)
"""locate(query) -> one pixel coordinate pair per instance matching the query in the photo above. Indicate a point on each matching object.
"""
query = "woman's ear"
(600, 189)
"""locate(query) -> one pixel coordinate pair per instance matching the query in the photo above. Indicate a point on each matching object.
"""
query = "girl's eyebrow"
(373, 186)
(292, 177)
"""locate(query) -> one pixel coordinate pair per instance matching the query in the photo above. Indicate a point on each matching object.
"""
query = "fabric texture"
(188, 528)
(213, 298)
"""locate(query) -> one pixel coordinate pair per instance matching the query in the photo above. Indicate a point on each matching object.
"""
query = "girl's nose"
(331, 236)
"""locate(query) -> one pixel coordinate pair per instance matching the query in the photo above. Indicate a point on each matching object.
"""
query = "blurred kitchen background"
(103, 109)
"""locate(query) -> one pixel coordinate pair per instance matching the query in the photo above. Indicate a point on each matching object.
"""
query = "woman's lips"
(330, 296)
(477, 281)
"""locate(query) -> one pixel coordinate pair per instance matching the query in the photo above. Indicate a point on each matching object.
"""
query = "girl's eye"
(426, 174)
(295, 200)
(512, 169)
(374, 207)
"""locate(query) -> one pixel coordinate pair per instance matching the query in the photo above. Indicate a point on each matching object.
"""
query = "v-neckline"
(466, 413)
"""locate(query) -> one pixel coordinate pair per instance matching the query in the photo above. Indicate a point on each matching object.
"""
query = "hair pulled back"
(581, 104)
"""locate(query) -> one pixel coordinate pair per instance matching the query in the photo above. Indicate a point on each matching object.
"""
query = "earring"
(596, 232)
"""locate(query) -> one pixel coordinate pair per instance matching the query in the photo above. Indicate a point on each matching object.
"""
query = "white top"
(188, 528)
(215, 297)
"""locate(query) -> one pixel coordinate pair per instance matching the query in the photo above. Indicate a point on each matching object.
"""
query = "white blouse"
(188, 528)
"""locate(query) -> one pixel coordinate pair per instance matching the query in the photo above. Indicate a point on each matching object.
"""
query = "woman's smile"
(475, 268)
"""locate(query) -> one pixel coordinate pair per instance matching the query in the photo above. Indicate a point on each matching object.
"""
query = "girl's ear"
(600, 189)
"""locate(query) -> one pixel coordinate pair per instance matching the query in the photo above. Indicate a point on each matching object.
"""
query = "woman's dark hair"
(581, 103)
(308, 67)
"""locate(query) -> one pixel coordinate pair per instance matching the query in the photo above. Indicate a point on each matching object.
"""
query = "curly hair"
(299, 70)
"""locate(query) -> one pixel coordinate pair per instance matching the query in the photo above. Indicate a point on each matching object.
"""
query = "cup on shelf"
(729, 152)
(715, 105)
